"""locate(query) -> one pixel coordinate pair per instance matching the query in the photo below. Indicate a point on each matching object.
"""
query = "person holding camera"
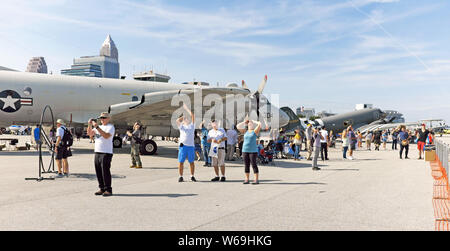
(404, 138)
(317, 138)
(325, 141)
(309, 142)
(186, 125)
(103, 135)
(136, 140)
(352, 141)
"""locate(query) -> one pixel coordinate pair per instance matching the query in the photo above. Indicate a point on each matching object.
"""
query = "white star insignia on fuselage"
(9, 102)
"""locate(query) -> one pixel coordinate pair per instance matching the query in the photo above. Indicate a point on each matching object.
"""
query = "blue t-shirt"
(36, 134)
(249, 145)
(403, 135)
(394, 136)
(205, 137)
(351, 137)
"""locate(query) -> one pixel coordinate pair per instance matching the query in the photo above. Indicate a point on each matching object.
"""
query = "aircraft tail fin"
(294, 121)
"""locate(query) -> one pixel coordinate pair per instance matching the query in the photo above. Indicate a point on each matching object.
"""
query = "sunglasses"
(104, 118)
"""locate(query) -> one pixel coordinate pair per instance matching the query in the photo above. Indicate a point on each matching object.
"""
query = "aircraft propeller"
(257, 94)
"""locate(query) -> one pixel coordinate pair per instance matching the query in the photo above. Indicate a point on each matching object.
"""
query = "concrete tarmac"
(377, 191)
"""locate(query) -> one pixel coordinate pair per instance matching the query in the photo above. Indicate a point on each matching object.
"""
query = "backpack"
(67, 139)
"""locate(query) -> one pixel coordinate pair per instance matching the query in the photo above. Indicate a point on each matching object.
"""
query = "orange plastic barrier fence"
(441, 196)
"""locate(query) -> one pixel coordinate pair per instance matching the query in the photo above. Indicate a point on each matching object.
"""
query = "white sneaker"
(350, 158)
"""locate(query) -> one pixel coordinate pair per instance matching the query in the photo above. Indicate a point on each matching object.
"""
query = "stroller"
(265, 156)
(277, 148)
(288, 151)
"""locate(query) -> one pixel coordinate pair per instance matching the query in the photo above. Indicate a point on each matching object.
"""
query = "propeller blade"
(244, 85)
(257, 103)
(262, 85)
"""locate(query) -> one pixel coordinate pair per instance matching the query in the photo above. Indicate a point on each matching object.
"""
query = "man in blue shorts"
(186, 150)
(37, 139)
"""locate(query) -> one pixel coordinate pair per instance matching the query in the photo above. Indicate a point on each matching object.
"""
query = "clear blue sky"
(329, 55)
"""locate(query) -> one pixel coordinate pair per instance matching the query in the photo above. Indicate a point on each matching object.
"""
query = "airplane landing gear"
(149, 147)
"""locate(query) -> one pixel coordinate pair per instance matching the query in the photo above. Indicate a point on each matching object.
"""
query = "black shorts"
(353, 146)
(63, 153)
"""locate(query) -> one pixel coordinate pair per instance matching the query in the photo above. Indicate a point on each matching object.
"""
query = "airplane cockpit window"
(27, 91)
(134, 99)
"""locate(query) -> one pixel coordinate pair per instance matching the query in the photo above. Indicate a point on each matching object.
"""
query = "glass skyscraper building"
(86, 70)
(108, 61)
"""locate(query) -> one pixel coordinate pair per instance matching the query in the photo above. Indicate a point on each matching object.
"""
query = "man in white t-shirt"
(61, 150)
(186, 150)
(104, 135)
(217, 137)
(324, 144)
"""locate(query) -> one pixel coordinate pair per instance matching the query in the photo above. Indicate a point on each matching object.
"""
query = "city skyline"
(323, 54)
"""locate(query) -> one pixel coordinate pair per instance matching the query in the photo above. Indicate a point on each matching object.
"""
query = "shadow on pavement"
(90, 176)
(295, 183)
(160, 168)
(234, 181)
(45, 152)
(23, 153)
(339, 170)
(283, 164)
(155, 195)
(268, 182)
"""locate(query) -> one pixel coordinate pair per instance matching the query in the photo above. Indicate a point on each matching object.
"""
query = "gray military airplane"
(356, 119)
(23, 97)
(338, 123)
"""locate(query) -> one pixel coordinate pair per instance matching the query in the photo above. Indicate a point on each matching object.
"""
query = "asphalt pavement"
(376, 191)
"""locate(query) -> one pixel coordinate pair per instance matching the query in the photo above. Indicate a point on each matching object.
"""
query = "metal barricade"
(441, 189)
(442, 152)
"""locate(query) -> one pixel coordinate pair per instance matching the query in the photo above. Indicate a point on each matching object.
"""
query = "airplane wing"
(389, 126)
(5, 69)
(158, 105)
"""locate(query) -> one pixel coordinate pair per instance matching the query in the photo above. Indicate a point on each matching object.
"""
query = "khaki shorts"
(220, 160)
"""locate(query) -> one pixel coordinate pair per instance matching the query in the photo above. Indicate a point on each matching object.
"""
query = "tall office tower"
(37, 65)
(107, 61)
(109, 49)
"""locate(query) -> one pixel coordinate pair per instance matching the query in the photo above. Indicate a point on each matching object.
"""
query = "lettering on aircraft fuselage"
(11, 101)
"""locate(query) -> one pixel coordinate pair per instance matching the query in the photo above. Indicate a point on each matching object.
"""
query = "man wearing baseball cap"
(135, 145)
(61, 149)
(104, 134)
(309, 142)
(422, 136)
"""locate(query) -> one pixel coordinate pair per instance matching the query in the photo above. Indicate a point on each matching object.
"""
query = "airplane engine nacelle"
(119, 108)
